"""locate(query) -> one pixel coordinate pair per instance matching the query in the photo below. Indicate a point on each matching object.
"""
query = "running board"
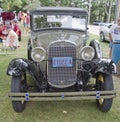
(57, 96)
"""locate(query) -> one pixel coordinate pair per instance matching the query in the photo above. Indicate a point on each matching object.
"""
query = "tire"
(105, 82)
(17, 86)
(102, 37)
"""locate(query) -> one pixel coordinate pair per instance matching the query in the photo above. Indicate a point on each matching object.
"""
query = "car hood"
(45, 38)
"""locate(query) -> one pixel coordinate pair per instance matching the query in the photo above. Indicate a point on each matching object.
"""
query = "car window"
(59, 21)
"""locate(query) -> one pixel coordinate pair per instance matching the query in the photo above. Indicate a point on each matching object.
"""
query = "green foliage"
(9, 5)
(47, 2)
(31, 4)
(41, 22)
(100, 10)
(65, 2)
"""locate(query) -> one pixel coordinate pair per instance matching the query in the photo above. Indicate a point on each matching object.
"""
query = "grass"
(72, 111)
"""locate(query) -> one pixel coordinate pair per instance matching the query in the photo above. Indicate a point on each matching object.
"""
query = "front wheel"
(17, 86)
(104, 83)
(102, 37)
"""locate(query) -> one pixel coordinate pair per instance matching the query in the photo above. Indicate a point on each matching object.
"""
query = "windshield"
(46, 21)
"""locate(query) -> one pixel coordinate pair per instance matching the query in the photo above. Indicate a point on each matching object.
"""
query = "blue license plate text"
(62, 61)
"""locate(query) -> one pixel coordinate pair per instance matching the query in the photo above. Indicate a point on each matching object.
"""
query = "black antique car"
(63, 65)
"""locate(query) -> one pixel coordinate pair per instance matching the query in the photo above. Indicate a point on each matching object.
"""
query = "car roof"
(60, 9)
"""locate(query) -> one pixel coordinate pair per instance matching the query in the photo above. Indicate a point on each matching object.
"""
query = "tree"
(65, 2)
(98, 9)
(102, 10)
(47, 2)
(9, 5)
(117, 11)
(31, 4)
(108, 7)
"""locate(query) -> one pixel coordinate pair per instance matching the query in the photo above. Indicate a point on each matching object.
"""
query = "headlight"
(87, 53)
(38, 54)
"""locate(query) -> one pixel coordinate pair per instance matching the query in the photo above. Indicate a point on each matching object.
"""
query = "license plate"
(62, 61)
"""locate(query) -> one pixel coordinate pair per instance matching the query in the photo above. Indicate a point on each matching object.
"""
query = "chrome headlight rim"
(87, 53)
(38, 54)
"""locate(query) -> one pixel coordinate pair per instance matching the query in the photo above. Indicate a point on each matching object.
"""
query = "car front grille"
(62, 76)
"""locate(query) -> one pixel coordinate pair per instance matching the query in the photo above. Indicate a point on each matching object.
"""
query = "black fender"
(18, 66)
(102, 65)
(106, 66)
(95, 44)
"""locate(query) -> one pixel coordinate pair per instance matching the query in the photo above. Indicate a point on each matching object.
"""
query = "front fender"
(95, 44)
(107, 66)
(17, 67)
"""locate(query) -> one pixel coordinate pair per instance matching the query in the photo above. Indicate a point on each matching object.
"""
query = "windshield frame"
(54, 11)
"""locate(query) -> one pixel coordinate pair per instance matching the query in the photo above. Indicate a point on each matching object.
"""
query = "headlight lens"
(87, 53)
(38, 54)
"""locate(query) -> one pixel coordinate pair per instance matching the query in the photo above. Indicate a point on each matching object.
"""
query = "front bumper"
(60, 96)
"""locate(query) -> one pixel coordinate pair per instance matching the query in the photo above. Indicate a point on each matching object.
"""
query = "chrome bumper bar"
(57, 96)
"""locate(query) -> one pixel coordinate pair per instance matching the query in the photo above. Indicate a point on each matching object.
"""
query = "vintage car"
(63, 65)
(104, 31)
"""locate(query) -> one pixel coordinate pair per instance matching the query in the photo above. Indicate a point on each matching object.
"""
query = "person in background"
(16, 28)
(19, 16)
(1, 35)
(12, 38)
(114, 35)
(3, 32)
(22, 18)
(15, 15)
(26, 22)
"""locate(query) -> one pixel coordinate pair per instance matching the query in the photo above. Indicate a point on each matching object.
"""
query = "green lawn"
(64, 111)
